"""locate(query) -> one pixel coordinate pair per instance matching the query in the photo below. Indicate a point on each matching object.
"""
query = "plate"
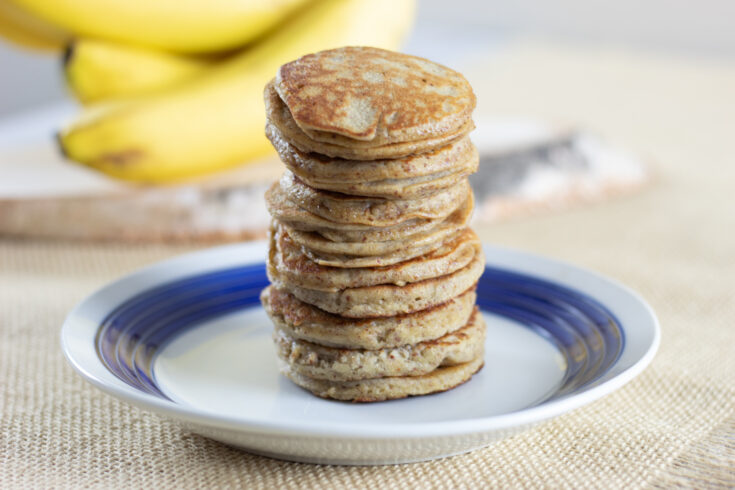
(188, 339)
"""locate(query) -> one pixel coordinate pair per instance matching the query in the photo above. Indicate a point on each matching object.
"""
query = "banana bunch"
(172, 89)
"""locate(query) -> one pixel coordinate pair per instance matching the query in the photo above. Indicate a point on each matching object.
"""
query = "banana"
(28, 31)
(216, 121)
(184, 26)
(97, 70)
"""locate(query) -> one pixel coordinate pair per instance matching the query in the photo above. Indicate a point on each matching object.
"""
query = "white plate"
(187, 339)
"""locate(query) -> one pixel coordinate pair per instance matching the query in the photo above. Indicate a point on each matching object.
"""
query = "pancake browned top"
(363, 94)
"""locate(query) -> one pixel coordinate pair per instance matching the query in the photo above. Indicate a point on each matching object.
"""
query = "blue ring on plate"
(585, 332)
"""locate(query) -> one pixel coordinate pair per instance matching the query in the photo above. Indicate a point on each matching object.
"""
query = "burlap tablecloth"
(674, 243)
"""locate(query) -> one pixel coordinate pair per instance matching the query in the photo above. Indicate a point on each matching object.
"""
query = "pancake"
(386, 299)
(321, 168)
(380, 389)
(407, 252)
(303, 321)
(403, 231)
(424, 187)
(369, 98)
(297, 269)
(405, 178)
(343, 208)
(371, 254)
(279, 115)
(282, 209)
(349, 261)
(335, 364)
(373, 270)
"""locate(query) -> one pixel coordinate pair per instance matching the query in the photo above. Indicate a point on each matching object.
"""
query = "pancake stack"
(372, 265)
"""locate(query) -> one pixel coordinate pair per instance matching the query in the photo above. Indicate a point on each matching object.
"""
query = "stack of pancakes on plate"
(372, 265)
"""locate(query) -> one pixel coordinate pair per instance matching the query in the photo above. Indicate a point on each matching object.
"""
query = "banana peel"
(181, 26)
(98, 70)
(28, 31)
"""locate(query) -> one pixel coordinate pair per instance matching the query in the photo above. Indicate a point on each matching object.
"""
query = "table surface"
(673, 242)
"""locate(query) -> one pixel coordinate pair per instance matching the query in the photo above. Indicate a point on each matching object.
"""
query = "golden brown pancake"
(321, 169)
(285, 211)
(385, 299)
(296, 268)
(406, 252)
(373, 97)
(279, 115)
(380, 389)
(372, 254)
(306, 322)
(335, 364)
(372, 211)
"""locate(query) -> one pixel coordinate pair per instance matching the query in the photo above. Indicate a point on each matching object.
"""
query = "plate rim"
(252, 253)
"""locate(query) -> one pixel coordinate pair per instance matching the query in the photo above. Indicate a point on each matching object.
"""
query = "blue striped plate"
(187, 338)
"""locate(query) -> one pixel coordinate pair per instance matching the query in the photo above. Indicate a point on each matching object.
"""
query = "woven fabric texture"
(674, 242)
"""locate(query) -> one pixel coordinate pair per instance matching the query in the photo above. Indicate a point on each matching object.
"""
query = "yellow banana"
(186, 26)
(97, 70)
(28, 31)
(216, 121)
